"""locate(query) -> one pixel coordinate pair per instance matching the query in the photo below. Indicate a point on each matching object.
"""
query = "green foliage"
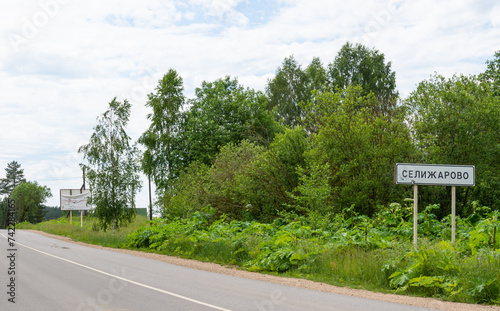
(29, 197)
(355, 65)
(360, 146)
(438, 270)
(246, 181)
(161, 160)
(288, 248)
(314, 191)
(457, 121)
(25, 225)
(3, 213)
(232, 181)
(350, 133)
(359, 65)
(492, 73)
(484, 290)
(190, 193)
(14, 176)
(289, 148)
(112, 168)
(286, 90)
(223, 112)
(431, 269)
(485, 232)
(52, 212)
(316, 77)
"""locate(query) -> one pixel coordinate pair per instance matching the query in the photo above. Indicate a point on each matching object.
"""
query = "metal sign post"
(415, 214)
(453, 225)
(434, 174)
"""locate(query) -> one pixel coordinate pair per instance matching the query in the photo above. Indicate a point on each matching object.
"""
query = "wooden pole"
(71, 211)
(415, 214)
(81, 219)
(453, 224)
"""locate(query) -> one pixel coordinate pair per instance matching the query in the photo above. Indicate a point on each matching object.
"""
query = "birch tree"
(112, 167)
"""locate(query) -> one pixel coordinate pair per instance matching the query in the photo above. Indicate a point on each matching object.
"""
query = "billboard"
(74, 199)
(434, 174)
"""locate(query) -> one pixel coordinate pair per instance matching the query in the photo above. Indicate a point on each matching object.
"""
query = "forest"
(320, 138)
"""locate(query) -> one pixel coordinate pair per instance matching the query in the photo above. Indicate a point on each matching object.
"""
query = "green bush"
(345, 249)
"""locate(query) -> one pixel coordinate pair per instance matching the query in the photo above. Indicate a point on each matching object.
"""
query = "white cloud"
(222, 9)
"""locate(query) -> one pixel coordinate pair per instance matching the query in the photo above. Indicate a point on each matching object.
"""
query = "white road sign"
(74, 199)
(434, 174)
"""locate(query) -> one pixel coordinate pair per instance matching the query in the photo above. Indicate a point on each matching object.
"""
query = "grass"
(85, 233)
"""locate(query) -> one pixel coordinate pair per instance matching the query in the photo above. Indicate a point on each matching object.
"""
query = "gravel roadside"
(206, 266)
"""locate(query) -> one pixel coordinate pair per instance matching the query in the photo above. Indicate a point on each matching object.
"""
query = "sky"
(63, 61)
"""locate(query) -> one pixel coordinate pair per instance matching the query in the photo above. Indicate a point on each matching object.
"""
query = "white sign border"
(396, 181)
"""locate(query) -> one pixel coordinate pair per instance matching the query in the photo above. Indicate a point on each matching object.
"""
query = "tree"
(29, 197)
(14, 177)
(316, 77)
(457, 121)
(223, 112)
(245, 181)
(359, 65)
(52, 212)
(112, 168)
(286, 91)
(289, 150)
(161, 159)
(359, 145)
(492, 73)
(3, 212)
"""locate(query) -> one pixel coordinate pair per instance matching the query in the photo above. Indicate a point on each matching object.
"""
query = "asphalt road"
(55, 275)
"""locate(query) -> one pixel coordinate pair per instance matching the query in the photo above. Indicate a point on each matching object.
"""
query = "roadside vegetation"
(298, 180)
(345, 249)
(88, 232)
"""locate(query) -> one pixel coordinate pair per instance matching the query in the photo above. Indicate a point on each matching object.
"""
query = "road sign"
(434, 174)
(74, 199)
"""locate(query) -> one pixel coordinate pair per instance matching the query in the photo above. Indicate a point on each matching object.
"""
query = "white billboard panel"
(434, 174)
(74, 199)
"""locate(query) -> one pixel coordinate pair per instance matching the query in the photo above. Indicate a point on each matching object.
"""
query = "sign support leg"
(81, 219)
(415, 214)
(453, 224)
(70, 217)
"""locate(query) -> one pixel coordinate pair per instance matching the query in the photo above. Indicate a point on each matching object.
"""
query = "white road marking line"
(127, 280)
